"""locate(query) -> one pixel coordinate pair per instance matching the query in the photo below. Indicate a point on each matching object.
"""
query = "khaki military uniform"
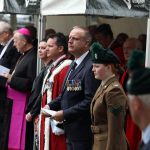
(108, 109)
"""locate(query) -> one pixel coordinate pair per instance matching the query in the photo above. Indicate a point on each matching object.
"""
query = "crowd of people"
(91, 93)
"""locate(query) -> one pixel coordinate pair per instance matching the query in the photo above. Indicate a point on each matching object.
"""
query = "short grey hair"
(87, 33)
(5, 27)
(144, 98)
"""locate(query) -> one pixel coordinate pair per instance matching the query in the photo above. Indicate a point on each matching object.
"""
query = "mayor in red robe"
(53, 138)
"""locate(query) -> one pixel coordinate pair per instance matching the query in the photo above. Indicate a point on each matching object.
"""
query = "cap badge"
(96, 57)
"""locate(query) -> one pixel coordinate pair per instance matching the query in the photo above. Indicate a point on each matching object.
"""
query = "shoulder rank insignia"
(115, 110)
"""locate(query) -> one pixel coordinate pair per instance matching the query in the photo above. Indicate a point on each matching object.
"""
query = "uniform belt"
(98, 129)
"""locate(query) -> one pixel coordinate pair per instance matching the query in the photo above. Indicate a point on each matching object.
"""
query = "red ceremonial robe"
(132, 131)
(56, 142)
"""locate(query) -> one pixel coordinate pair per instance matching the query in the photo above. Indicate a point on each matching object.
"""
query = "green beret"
(103, 56)
(139, 82)
(136, 60)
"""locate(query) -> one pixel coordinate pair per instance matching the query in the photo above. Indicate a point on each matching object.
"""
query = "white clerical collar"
(146, 135)
(80, 59)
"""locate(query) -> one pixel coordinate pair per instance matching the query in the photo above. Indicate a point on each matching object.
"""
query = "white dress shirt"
(5, 48)
(80, 59)
(146, 135)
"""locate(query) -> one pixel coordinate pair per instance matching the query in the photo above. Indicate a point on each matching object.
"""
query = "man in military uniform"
(139, 103)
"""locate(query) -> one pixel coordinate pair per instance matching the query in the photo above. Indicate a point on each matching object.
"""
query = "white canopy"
(120, 8)
(56, 7)
(1, 5)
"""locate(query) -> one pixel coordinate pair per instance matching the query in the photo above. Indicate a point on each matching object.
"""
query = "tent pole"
(41, 34)
(147, 61)
(13, 21)
(39, 38)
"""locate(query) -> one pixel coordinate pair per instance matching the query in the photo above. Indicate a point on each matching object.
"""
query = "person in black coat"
(8, 53)
(22, 77)
(8, 58)
(34, 104)
(73, 104)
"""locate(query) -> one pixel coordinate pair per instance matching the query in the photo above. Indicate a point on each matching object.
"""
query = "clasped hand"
(8, 76)
(58, 115)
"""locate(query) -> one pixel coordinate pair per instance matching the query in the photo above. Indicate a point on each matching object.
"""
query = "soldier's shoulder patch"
(115, 110)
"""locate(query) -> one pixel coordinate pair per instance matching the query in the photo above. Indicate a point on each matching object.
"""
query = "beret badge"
(96, 57)
(102, 55)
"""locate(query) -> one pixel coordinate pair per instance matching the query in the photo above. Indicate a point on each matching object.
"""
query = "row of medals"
(73, 85)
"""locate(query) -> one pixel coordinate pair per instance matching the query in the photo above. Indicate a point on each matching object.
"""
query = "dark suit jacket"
(34, 104)
(1, 48)
(8, 60)
(10, 57)
(76, 104)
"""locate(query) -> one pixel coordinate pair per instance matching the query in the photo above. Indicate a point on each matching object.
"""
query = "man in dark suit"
(8, 58)
(139, 103)
(1, 48)
(9, 54)
(73, 104)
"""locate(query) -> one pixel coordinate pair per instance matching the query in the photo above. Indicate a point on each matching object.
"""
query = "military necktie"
(73, 66)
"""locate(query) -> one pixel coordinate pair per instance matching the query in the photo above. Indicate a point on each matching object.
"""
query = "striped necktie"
(73, 66)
